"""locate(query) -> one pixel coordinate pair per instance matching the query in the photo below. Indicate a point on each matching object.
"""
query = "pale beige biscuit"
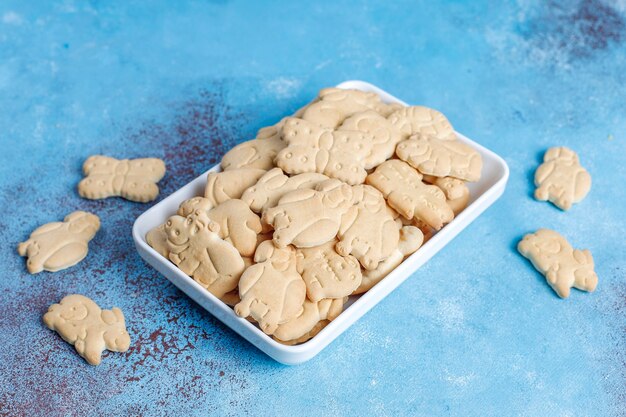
(319, 326)
(441, 158)
(132, 179)
(157, 239)
(189, 206)
(561, 179)
(405, 192)
(80, 322)
(307, 218)
(272, 291)
(411, 238)
(312, 313)
(231, 298)
(456, 191)
(563, 266)
(196, 248)
(368, 229)
(274, 184)
(335, 105)
(422, 120)
(227, 185)
(257, 153)
(59, 245)
(326, 273)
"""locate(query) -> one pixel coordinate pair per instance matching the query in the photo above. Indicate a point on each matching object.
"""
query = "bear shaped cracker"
(312, 313)
(80, 322)
(405, 192)
(59, 245)
(196, 248)
(226, 185)
(441, 158)
(563, 266)
(326, 273)
(132, 179)
(307, 218)
(335, 105)
(561, 179)
(456, 191)
(274, 184)
(272, 291)
(422, 120)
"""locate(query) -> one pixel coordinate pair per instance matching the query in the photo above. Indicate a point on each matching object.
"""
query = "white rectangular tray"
(483, 193)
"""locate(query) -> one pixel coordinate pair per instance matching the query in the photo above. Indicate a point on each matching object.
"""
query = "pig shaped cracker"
(312, 313)
(196, 248)
(563, 266)
(226, 185)
(133, 179)
(334, 105)
(80, 322)
(368, 230)
(307, 218)
(560, 179)
(272, 291)
(59, 245)
(422, 120)
(326, 273)
(405, 192)
(274, 184)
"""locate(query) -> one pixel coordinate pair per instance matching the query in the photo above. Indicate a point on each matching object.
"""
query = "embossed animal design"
(227, 185)
(59, 245)
(272, 291)
(196, 248)
(422, 120)
(563, 266)
(561, 179)
(312, 313)
(257, 153)
(456, 191)
(80, 322)
(132, 179)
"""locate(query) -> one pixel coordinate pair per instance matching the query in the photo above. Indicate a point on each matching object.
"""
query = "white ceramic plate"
(483, 193)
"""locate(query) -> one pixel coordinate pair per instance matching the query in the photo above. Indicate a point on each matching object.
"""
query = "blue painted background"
(475, 332)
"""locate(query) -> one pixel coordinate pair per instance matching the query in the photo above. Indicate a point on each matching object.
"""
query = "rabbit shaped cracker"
(335, 105)
(59, 245)
(560, 179)
(422, 120)
(226, 185)
(563, 266)
(404, 190)
(307, 218)
(326, 273)
(196, 248)
(312, 313)
(272, 291)
(132, 179)
(80, 322)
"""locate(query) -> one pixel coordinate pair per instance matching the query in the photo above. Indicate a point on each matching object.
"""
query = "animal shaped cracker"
(157, 239)
(456, 191)
(307, 218)
(257, 153)
(312, 313)
(307, 336)
(196, 248)
(404, 190)
(326, 273)
(411, 238)
(419, 119)
(563, 266)
(272, 291)
(441, 158)
(561, 179)
(59, 245)
(194, 204)
(132, 179)
(335, 105)
(80, 322)
(368, 230)
(226, 185)
(274, 184)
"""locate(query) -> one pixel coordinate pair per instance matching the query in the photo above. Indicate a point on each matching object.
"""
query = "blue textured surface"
(474, 332)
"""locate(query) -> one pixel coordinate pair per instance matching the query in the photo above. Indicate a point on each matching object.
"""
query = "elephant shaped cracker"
(227, 185)
(312, 313)
(80, 322)
(563, 266)
(132, 179)
(307, 218)
(59, 245)
(422, 120)
(334, 105)
(272, 291)
(561, 179)
(196, 248)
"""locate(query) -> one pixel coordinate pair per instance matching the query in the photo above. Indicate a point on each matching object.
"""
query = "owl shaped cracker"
(312, 313)
(368, 230)
(405, 192)
(422, 120)
(561, 179)
(80, 322)
(272, 291)
(227, 185)
(196, 248)
(132, 179)
(441, 158)
(307, 218)
(563, 266)
(59, 245)
(326, 273)
(334, 105)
